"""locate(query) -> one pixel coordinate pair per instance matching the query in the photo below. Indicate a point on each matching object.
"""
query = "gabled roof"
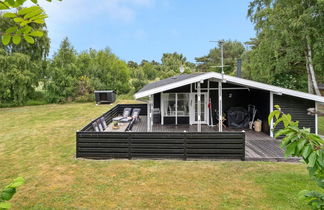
(185, 79)
(169, 80)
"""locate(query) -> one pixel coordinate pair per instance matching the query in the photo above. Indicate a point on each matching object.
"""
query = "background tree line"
(287, 51)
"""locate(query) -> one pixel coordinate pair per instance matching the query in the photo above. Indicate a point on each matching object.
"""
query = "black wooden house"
(198, 116)
(205, 98)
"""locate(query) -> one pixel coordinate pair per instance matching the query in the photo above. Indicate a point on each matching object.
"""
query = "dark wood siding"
(172, 120)
(169, 120)
(183, 89)
(235, 98)
(242, 98)
(105, 145)
(183, 120)
(297, 107)
(261, 100)
(157, 100)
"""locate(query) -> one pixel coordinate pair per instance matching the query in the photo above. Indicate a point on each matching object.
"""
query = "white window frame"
(192, 108)
(163, 98)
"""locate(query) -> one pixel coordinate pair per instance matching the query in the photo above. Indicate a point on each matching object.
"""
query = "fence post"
(185, 146)
(129, 139)
(77, 142)
(243, 138)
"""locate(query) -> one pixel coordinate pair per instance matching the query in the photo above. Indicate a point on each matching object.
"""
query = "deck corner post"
(185, 146)
(77, 142)
(149, 114)
(220, 107)
(243, 139)
(199, 107)
(271, 110)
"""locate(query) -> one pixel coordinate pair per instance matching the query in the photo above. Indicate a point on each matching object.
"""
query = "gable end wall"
(297, 107)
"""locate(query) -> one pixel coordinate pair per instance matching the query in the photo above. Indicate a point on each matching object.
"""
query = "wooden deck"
(258, 146)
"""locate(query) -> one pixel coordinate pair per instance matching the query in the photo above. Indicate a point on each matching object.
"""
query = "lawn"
(321, 122)
(38, 143)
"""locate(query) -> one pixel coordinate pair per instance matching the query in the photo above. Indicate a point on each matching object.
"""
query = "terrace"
(174, 141)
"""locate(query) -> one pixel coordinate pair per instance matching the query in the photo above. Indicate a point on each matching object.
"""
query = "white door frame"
(192, 108)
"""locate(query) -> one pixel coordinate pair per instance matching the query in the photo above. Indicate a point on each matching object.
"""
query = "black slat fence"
(157, 145)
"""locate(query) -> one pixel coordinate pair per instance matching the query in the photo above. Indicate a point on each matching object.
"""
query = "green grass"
(38, 143)
(321, 125)
(321, 122)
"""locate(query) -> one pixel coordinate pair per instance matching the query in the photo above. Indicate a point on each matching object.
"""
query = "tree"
(171, 63)
(25, 20)
(17, 77)
(149, 70)
(63, 74)
(233, 50)
(289, 36)
(105, 70)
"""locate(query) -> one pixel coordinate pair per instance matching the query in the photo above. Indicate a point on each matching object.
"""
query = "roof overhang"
(230, 79)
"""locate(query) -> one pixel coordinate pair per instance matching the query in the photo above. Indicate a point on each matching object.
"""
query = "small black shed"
(105, 96)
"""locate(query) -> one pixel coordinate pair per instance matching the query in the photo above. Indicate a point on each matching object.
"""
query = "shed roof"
(185, 79)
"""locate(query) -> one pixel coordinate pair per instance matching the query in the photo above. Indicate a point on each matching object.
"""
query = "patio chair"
(221, 121)
(103, 123)
(135, 116)
(100, 125)
(126, 113)
(95, 126)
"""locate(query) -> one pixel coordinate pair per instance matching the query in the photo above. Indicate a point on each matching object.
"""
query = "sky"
(145, 29)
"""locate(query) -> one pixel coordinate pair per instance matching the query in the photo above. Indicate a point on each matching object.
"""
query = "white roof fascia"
(274, 89)
(235, 80)
(172, 86)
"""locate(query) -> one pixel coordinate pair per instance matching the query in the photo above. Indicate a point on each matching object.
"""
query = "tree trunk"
(309, 79)
(311, 68)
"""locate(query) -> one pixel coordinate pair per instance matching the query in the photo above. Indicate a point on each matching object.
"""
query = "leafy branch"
(8, 192)
(300, 142)
(23, 18)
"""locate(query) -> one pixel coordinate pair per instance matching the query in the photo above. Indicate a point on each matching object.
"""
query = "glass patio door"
(194, 108)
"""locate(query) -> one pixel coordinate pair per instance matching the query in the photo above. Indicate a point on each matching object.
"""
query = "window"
(169, 104)
(183, 104)
(175, 104)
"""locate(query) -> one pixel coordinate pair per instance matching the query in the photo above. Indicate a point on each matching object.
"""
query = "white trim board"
(316, 118)
(234, 80)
